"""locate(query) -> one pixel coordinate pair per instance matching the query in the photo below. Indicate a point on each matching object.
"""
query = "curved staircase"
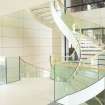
(73, 82)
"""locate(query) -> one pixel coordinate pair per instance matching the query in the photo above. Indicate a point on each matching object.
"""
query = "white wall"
(95, 16)
(57, 45)
(21, 35)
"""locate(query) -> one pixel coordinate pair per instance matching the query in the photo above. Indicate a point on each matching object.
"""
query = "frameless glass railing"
(88, 27)
(88, 23)
(69, 79)
(61, 73)
(9, 69)
(27, 70)
(83, 28)
(13, 69)
(64, 70)
(67, 63)
(2, 70)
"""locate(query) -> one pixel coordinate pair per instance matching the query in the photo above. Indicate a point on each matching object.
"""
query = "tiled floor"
(27, 92)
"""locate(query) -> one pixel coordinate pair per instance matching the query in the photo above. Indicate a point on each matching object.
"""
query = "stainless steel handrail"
(37, 67)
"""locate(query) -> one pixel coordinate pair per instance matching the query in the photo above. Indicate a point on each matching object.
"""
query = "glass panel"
(2, 70)
(88, 32)
(101, 63)
(12, 69)
(71, 77)
(62, 76)
(27, 70)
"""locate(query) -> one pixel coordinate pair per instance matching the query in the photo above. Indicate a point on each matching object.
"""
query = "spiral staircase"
(73, 79)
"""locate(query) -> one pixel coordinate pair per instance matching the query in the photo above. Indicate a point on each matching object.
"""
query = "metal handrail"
(37, 67)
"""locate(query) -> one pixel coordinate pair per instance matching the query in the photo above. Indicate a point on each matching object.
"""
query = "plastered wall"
(21, 35)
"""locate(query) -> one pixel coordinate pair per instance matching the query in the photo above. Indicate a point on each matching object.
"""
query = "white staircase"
(43, 14)
(89, 49)
(87, 45)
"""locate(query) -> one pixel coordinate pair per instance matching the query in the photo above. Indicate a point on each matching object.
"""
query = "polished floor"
(37, 91)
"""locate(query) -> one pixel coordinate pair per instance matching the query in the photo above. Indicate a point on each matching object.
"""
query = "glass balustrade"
(72, 77)
(62, 75)
(2, 70)
(69, 75)
(101, 65)
(9, 69)
(27, 70)
(68, 63)
(22, 69)
(87, 23)
(15, 68)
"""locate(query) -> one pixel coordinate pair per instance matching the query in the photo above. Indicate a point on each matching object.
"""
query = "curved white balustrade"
(89, 92)
(84, 95)
(64, 29)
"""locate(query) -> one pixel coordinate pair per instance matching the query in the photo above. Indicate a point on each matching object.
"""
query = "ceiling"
(9, 6)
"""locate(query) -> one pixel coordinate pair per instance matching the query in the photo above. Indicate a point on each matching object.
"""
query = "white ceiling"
(9, 6)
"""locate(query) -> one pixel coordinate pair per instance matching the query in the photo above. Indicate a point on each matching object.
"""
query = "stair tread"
(91, 50)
